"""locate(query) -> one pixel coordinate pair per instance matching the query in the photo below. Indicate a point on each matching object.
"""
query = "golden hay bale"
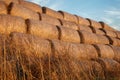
(115, 41)
(42, 29)
(99, 31)
(106, 26)
(19, 10)
(10, 24)
(83, 21)
(84, 28)
(116, 53)
(69, 35)
(92, 69)
(69, 24)
(3, 8)
(52, 13)
(111, 68)
(82, 51)
(9, 1)
(69, 17)
(118, 34)
(49, 19)
(91, 38)
(28, 44)
(102, 39)
(110, 33)
(104, 51)
(94, 23)
(32, 6)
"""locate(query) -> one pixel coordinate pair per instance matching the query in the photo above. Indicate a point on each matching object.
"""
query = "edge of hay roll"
(69, 35)
(52, 13)
(104, 51)
(94, 23)
(9, 1)
(85, 28)
(42, 29)
(3, 8)
(10, 24)
(82, 21)
(69, 17)
(32, 6)
(69, 24)
(21, 11)
(49, 19)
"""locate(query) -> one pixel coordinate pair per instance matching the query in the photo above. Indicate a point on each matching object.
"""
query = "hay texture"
(106, 26)
(117, 53)
(118, 34)
(52, 13)
(104, 51)
(83, 21)
(69, 35)
(115, 41)
(83, 52)
(32, 6)
(69, 17)
(69, 24)
(21, 11)
(9, 1)
(91, 38)
(10, 24)
(94, 23)
(49, 19)
(85, 28)
(111, 68)
(99, 31)
(110, 33)
(3, 8)
(42, 29)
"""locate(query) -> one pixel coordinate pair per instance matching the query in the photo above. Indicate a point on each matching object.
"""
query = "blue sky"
(100, 10)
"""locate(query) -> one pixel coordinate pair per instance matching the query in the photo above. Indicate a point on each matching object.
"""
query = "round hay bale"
(118, 34)
(69, 24)
(110, 33)
(102, 39)
(94, 23)
(83, 21)
(49, 19)
(3, 8)
(99, 31)
(106, 26)
(111, 68)
(104, 51)
(29, 44)
(116, 53)
(42, 29)
(19, 10)
(87, 37)
(9, 1)
(52, 13)
(69, 17)
(69, 35)
(115, 41)
(82, 52)
(85, 28)
(10, 24)
(32, 6)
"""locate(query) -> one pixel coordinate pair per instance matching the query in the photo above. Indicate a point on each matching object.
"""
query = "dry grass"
(26, 57)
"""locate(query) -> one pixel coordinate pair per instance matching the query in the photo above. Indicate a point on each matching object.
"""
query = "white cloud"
(113, 12)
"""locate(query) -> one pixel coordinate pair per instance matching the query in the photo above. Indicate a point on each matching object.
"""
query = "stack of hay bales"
(38, 43)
